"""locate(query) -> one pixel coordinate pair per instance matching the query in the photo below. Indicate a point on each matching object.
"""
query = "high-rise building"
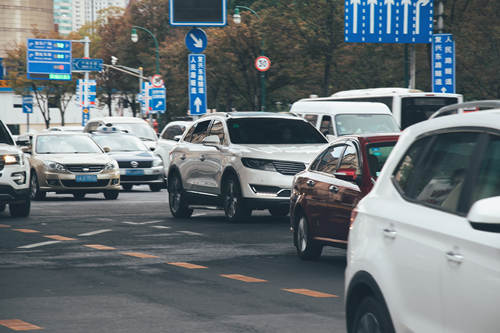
(86, 11)
(78, 14)
(63, 14)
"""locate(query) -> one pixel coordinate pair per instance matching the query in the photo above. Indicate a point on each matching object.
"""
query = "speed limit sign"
(156, 81)
(262, 63)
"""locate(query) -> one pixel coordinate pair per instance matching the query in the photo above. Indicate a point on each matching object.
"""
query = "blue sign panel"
(48, 59)
(197, 84)
(157, 100)
(198, 12)
(443, 63)
(388, 21)
(86, 93)
(27, 104)
(196, 40)
(87, 65)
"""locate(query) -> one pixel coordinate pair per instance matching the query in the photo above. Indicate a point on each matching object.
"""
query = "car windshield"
(377, 153)
(5, 136)
(272, 131)
(365, 124)
(117, 142)
(140, 130)
(66, 144)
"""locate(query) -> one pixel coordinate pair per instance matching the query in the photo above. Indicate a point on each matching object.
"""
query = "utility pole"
(440, 20)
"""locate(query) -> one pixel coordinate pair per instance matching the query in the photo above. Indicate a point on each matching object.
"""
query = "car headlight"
(10, 159)
(111, 166)
(157, 162)
(256, 163)
(55, 167)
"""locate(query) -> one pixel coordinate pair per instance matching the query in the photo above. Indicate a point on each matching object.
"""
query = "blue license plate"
(86, 179)
(134, 172)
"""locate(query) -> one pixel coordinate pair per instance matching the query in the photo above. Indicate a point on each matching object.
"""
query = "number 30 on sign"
(262, 63)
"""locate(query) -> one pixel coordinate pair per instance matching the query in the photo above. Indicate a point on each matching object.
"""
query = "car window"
(4, 135)
(172, 131)
(93, 126)
(66, 144)
(119, 142)
(200, 132)
(218, 129)
(350, 158)
(377, 153)
(326, 126)
(187, 138)
(407, 166)
(329, 161)
(311, 118)
(365, 124)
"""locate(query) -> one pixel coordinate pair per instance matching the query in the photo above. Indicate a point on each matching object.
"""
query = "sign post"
(197, 85)
(443, 63)
(48, 59)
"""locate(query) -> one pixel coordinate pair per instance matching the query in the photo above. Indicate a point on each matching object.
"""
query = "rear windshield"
(272, 131)
(348, 124)
(377, 154)
(417, 109)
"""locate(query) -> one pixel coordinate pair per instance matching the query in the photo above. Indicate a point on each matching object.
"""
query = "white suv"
(424, 245)
(240, 161)
(14, 176)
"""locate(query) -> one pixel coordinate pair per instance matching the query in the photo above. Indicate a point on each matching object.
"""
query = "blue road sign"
(157, 101)
(388, 21)
(197, 84)
(48, 59)
(27, 104)
(144, 97)
(196, 40)
(86, 93)
(87, 65)
(443, 63)
(198, 12)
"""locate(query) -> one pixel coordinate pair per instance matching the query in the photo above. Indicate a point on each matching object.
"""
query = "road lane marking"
(59, 238)
(243, 278)
(186, 265)
(27, 231)
(99, 247)
(160, 227)
(19, 325)
(309, 292)
(4, 226)
(190, 233)
(97, 232)
(139, 255)
(142, 223)
(30, 246)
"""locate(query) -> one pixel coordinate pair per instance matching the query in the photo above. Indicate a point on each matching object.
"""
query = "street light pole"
(134, 37)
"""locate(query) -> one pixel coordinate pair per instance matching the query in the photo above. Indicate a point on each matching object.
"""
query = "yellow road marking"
(4, 226)
(59, 238)
(100, 247)
(19, 325)
(243, 278)
(309, 292)
(28, 231)
(186, 265)
(139, 255)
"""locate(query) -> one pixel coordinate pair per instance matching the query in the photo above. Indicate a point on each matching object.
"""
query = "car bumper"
(265, 186)
(10, 194)
(66, 183)
(154, 175)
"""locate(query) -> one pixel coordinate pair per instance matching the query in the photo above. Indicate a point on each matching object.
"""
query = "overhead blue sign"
(48, 59)
(196, 40)
(443, 63)
(87, 65)
(197, 84)
(27, 104)
(198, 12)
(157, 101)
(388, 21)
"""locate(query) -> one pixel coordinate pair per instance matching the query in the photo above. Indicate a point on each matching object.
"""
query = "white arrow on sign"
(355, 4)
(197, 42)
(405, 18)
(417, 14)
(389, 4)
(197, 103)
(160, 103)
(443, 90)
(372, 4)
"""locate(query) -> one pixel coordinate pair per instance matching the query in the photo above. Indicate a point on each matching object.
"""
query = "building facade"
(63, 16)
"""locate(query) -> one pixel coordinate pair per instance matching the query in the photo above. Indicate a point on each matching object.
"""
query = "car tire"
(371, 316)
(127, 187)
(179, 206)
(155, 187)
(35, 192)
(279, 211)
(307, 248)
(232, 200)
(79, 195)
(111, 195)
(20, 209)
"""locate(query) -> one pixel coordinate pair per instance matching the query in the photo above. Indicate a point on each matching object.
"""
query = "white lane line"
(30, 246)
(92, 233)
(190, 233)
(142, 223)
(160, 227)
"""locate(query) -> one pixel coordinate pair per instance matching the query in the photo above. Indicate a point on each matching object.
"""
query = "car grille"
(72, 183)
(289, 168)
(141, 164)
(85, 168)
(139, 178)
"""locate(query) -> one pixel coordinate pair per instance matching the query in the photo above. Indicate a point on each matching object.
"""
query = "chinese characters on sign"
(48, 59)
(443, 63)
(197, 84)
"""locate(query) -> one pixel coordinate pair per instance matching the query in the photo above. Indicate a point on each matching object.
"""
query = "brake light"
(354, 213)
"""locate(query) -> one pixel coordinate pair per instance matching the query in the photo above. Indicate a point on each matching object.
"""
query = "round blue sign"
(196, 40)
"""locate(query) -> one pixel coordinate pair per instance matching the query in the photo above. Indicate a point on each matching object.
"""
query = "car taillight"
(354, 213)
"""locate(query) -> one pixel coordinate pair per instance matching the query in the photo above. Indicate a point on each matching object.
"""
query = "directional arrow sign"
(443, 63)
(27, 104)
(196, 40)
(197, 84)
(87, 65)
(48, 59)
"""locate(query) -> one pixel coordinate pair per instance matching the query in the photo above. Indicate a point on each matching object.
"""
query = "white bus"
(409, 106)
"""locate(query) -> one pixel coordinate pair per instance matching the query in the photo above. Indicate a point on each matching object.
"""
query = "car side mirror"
(152, 148)
(347, 174)
(177, 138)
(23, 142)
(106, 149)
(211, 140)
(484, 215)
(26, 149)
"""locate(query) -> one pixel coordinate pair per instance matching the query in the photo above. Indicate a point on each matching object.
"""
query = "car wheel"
(307, 248)
(35, 192)
(234, 207)
(179, 206)
(279, 211)
(2, 207)
(155, 187)
(20, 209)
(371, 317)
(111, 195)
(79, 195)
(127, 187)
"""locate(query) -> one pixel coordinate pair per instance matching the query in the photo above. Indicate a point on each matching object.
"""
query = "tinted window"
(4, 135)
(326, 126)
(488, 182)
(350, 159)
(172, 131)
(365, 124)
(407, 166)
(187, 138)
(117, 142)
(200, 132)
(272, 131)
(377, 154)
(417, 109)
(329, 160)
(218, 129)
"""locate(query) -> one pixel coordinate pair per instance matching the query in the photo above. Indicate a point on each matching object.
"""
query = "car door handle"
(454, 257)
(390, 233)
(202, 158)
(333, 189)
(310, 183)
(183, 157)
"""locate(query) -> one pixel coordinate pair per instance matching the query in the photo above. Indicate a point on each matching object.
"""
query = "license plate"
(134, 172)
(86, 179)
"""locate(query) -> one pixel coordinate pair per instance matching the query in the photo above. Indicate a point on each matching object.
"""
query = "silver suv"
(14, 176)
(240, 161)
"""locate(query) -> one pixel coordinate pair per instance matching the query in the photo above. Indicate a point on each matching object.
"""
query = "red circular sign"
(156, 81)
(262, 63)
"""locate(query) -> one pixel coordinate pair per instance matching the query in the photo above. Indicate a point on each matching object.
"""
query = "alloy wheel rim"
(231, 200)
(34, 186)
(368, 324)
(302, 235)
(176, 195)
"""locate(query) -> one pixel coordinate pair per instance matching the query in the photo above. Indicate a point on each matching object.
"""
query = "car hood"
(150, 144)
(76, 158)
(132, 155)
(300, 153)
(9, 149)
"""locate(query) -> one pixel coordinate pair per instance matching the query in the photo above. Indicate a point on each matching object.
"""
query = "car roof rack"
(477, 105)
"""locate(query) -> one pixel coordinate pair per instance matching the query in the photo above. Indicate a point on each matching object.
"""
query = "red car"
(326, 192)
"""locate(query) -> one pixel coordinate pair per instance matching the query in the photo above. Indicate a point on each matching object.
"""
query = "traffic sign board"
(156, 81)
(388, 21)
(87, 65)
(262, 63)
(197, 84)
(196, 40)
(158, 100)
(86, 93)
(27, 104)
(198, 12)
(443, 63)
(48, 59)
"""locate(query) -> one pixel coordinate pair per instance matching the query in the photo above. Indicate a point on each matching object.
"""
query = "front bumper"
(269, 186)
(137, 176)
(66, 182)
(10, 194)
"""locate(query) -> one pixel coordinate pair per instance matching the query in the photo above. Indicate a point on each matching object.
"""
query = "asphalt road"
(127, 266)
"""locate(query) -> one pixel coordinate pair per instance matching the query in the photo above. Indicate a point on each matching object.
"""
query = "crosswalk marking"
(59, 238)
(97, 232)
(30, 246)
(186, 265)
(19, 325)
(190, 233)
(99, 247)
(139, 255)
(243, 278)
(27, 231)
(308, 292)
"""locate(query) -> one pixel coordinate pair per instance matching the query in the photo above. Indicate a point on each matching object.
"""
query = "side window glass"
(406, 169)
(172, 131)
(200, 132)
(350, 159)
(218, 129)
(329, 161)
(189, 134)
(326, 126)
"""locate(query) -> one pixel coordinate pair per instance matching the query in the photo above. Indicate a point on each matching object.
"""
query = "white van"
(346, 118)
